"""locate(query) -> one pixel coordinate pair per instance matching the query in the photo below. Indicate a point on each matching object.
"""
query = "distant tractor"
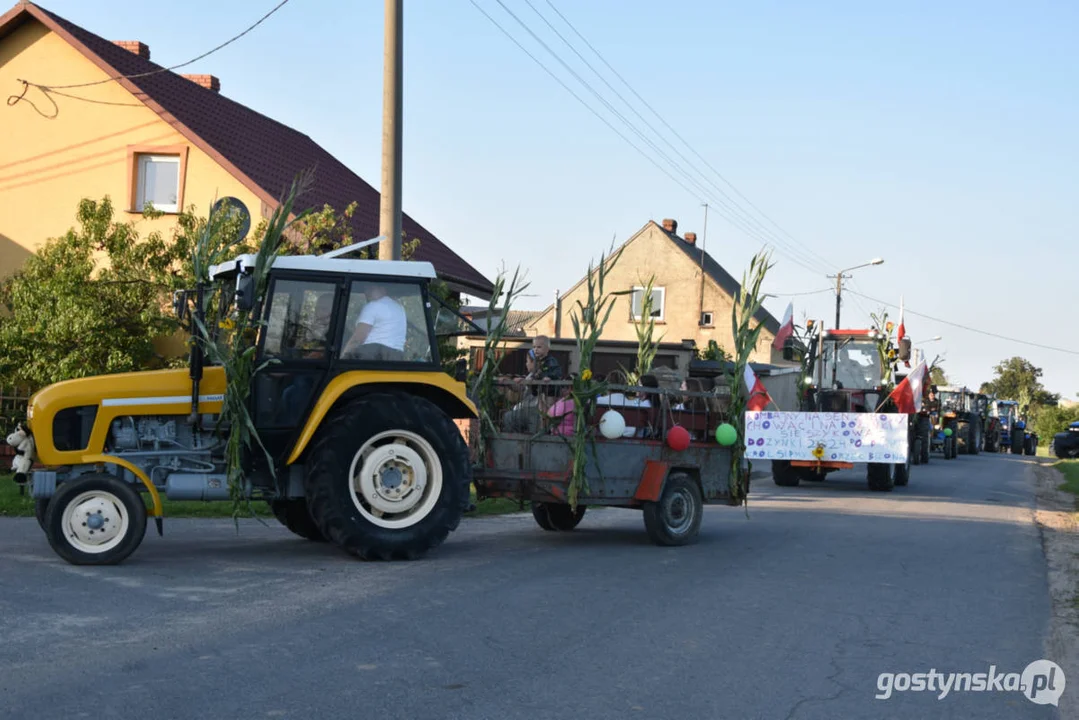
(960, 404)
(846, 371)
(990, 423)
(943, 425)
(1013, 429)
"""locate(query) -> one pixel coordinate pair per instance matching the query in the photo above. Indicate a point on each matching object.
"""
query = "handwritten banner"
(843, 437)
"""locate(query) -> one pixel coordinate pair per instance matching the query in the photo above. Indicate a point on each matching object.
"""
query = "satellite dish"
(234, 208)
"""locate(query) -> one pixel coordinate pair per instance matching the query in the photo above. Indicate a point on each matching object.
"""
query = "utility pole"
(704, 241)
(838, 293)
(389, 221)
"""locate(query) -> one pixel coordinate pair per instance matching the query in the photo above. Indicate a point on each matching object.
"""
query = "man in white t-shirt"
(381, 326)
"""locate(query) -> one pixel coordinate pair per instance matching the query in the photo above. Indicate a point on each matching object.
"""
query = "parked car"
(1066, 444)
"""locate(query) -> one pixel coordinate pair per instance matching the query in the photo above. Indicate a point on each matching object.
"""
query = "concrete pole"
(389, 224)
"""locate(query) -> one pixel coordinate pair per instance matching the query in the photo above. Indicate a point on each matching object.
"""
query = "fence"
(12, 411)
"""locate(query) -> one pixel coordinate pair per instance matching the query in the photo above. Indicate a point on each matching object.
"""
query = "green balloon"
(726, 435)
(947, 432)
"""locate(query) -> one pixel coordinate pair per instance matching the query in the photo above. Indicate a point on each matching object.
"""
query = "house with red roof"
(87, 117)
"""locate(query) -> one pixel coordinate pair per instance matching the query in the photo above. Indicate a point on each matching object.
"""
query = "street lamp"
(932, 339)
(839, 283)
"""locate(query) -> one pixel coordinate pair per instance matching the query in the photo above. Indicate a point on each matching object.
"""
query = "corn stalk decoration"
(888, 353)
(235, 350)
(588, 318)
(645, 326)
(484, 391)
(746, 336)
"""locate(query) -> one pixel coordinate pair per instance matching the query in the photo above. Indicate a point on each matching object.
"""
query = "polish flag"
(758, 396)
(902, 331)
(786, 328)
(908, 394)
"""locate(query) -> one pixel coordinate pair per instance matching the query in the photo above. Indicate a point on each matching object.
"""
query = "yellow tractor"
(350, 403)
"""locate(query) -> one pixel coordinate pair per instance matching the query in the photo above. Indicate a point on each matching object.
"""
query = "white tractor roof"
(324, 263)
(952, 388)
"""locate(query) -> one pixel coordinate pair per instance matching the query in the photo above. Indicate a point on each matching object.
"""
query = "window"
(157, 181)
(301, 315)
(637, 296)
(707, 319)
(386, 321)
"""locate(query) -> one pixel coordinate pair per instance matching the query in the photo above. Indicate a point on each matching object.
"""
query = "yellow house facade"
(91, 117)
(692, 295)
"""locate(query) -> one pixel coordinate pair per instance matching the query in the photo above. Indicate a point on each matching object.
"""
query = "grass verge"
(1070, 470)
(12, 504)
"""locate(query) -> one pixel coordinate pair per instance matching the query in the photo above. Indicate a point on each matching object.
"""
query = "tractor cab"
(848, 371)
(326, 317)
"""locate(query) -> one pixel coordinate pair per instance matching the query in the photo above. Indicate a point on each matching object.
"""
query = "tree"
(94, 300)
(1018, 379)
(937, 376)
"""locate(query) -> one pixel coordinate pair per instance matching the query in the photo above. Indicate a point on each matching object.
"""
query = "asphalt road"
(792, 612)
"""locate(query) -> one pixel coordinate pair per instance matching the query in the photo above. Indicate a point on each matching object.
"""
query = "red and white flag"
(786, 328)
(902, 331)
(758, 396)
(908, 394)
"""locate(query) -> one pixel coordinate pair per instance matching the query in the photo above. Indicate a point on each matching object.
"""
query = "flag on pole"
(908, 394)
(758, 396)
(902, 331)
(786, 328)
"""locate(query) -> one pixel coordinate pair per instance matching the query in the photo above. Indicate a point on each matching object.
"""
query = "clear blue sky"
(940, 136)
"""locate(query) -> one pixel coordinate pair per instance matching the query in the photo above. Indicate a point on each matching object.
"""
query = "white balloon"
(612, 424)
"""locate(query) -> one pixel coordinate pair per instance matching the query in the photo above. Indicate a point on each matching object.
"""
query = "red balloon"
(678, 438)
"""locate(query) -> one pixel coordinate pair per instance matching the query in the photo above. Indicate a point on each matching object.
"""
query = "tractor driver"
(381, 328)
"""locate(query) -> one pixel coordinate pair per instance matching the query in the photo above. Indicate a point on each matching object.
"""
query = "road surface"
(793, 612)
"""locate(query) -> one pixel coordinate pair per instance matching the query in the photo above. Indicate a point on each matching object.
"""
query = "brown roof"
(262, 153)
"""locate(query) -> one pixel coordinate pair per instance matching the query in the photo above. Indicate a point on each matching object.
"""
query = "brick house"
(692, 295)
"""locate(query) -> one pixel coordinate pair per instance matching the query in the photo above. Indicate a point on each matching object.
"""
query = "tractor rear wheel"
(962, 437)
(784, 474)
(293, 514)
(388, 477)
(676, 518)
(975, 445)
(95, 520)
(901, 473)
(881, 477)
(557, 517)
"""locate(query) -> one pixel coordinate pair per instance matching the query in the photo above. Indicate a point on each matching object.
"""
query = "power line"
(161, 70)
(737, 222)
(809, 252)
(744, 216)
(798, 294)
(568, 89)
(968, 328)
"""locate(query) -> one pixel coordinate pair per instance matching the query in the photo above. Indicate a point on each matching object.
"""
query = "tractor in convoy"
(990, 423)
(1014, 435)
(355, 420)
(844, 374)
(958, 425)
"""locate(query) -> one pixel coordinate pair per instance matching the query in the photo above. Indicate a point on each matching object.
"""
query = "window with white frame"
(158, 182)
(707, 318)
(637, 297)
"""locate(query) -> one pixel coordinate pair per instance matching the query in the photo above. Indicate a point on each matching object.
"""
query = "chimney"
(670, 225)
(210, 82)
(691, 238)
(134, 46)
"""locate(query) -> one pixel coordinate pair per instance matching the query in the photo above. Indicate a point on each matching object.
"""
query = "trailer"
(669, 474)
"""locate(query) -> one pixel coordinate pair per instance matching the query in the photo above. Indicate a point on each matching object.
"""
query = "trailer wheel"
(1017, 442)
(1030, 446)
(389, 476)
(881, 477)
(557, 517)
(676, 518)
(784, 474)
(901, 473)
(293, 514)
(95, 520)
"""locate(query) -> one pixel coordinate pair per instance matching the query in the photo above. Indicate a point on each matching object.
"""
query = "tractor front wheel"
(388, 477)
(95, 520)
(881, 477)
(784, 474)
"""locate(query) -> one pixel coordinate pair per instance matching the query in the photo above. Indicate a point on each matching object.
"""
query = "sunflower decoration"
(818, 452)
(586, 375)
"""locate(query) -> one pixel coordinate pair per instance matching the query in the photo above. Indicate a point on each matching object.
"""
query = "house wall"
(652, 251)
(48, 164)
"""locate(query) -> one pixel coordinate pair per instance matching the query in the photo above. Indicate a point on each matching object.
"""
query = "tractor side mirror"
(245, 292)
(904, 349)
